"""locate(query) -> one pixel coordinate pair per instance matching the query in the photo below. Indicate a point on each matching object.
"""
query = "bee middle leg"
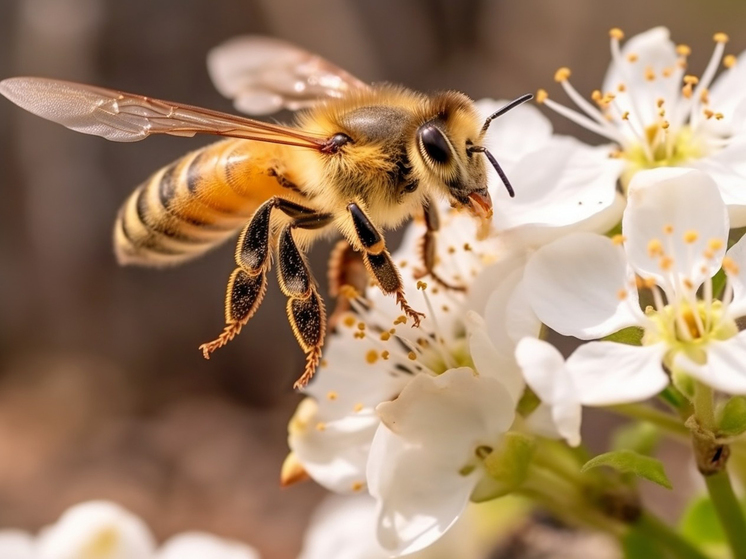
(428, 248)
(347, 277)
(378, 260)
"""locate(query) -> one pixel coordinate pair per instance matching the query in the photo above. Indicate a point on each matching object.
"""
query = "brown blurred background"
(103, 393)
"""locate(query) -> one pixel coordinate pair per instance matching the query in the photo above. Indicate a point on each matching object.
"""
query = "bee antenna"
(496, 165)
(513, 104)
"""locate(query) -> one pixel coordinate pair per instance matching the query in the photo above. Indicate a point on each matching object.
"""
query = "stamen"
(710, 71)
(562, 76)
(655, 248)
(618, 239)
(690, 236)
(607, 131)
(729, 61)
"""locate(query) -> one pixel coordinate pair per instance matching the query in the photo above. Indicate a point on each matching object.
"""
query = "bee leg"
(305, 307)
(427, 248)
(378, 260)
(347, 278)
(248, 282)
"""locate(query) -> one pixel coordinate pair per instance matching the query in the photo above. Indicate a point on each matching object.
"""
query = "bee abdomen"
(192, 205)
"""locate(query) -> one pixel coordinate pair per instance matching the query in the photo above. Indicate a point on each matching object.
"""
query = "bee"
(359, 159)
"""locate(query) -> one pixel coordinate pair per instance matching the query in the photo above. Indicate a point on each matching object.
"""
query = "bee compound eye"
(434, 143)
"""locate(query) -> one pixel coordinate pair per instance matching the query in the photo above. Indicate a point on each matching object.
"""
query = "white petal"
(737, 253)
(199, 545)
(655, 52)
(545, 372)
(567, 185)
(97, 530)
(518, 132)
(724, 369)
(608, 373)
(494, 277)
(727, 96)
(574, 286)
(420, 495)
(727, 167)
(16, 544)
(686, 200)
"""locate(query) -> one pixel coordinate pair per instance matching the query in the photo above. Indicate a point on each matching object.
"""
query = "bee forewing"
(125, 117)
(264, 75)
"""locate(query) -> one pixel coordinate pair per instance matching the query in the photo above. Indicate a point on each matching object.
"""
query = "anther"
(632, 57)
(618, 239)
(332, 395)
(361, 325)
(541, 96)
(562, 74)
(421, 285)
(715, 244)
(321, 426)
(371, 357)
(708, 113)
(621, 294)
(704, 96)
(625, 115)
(357, 486)
(694, 80)
(665, 263)
(349, 321)
(720, 38)
(730, 266)
(621, 88)
(719, 116)
(649, 74)
(690, 236)
(729, 60)
(659, 102)
(385, 355)
(655, 248)
(358, 407)
(683, 50)
(411, 356)
(667, 72)
(596, 95)
(665, 124)
(385, 336)
(616, 33)
(668, 229)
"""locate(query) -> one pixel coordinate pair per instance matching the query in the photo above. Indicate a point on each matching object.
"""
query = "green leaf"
(640, 436)
(629, 336)
(631, 462)
(637, 545)
(732, 417)
(699, 523)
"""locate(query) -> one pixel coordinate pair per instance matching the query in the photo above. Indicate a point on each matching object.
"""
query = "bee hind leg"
(378, 261)
(347, 277)
(428, 246)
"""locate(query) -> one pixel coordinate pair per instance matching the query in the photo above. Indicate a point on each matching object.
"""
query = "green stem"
(660, 532)
(669, 423)
(729, 511)
(704, 406)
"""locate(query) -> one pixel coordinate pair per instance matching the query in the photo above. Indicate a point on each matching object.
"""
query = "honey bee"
(359, 159)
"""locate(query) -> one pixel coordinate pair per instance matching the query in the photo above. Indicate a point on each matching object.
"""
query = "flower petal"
(608, 373)
(727, 167)
(566, 184)
(16, 544)
(200, 545)
(680, 201)
(727, 96)
(96, 529)
(737, 253)
(724, 369)
(578, 284)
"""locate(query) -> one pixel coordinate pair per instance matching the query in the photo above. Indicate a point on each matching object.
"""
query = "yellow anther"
(708, 113)
(730, 266)
(541, 96)
(686, 91)
(385, 336)
(467, 247)
(688, 283)
(349, 321)
(666, 263)
(683, 50)
(625, 115)
(720, 38)
(618, 239)
(649, 74)
(562, 74)
(616, 154)
(668, 229)
(400, 320)
(423, 342)
(704, 96)
(694, 80)
(361, 325)
(665, 124)
(403, 264)
(690, 236)
(639, 282)
(632, 57)
(445, 308)
(659, 102)
(349, 292)
(371, 357)
(324, 363)
(411, 356)
(719, 116)
(655, 248)
(357, 486)
(667, 72)
(385, 355)
(357, 408)
(621, 88)
(708, 254)
(729, 60)
(331, 395)
(451, 249)
(715, 244)
(421, 285)
(321, 426)
(616, 33)
(649, 283)
(596, 95)
(359, 335)
(621, 294)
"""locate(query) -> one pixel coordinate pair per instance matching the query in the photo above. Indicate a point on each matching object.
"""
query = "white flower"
(16, 544)
(426, 459)
(345, 528)
(199, 545)
(675, 231)
(657, 115)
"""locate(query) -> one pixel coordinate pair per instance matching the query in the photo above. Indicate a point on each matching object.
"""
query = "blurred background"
(103, 393)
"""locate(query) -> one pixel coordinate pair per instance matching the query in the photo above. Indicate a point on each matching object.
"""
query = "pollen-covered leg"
(428, 246)
(347, 276)
(378, 261)
(305, 308)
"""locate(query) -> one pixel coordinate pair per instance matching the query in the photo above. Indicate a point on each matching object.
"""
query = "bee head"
(448, 146)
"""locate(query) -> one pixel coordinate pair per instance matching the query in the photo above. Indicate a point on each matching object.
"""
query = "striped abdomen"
(197, 202)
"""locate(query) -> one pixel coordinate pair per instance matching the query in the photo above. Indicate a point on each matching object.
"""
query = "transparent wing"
(263, 75)
(124, 117)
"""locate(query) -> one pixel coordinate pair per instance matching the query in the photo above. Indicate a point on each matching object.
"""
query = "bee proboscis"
(359, 159)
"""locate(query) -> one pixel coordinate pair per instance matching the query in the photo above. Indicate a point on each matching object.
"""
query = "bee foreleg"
(428, 247)
(305, 308)
(347, 277)
(378, 260)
